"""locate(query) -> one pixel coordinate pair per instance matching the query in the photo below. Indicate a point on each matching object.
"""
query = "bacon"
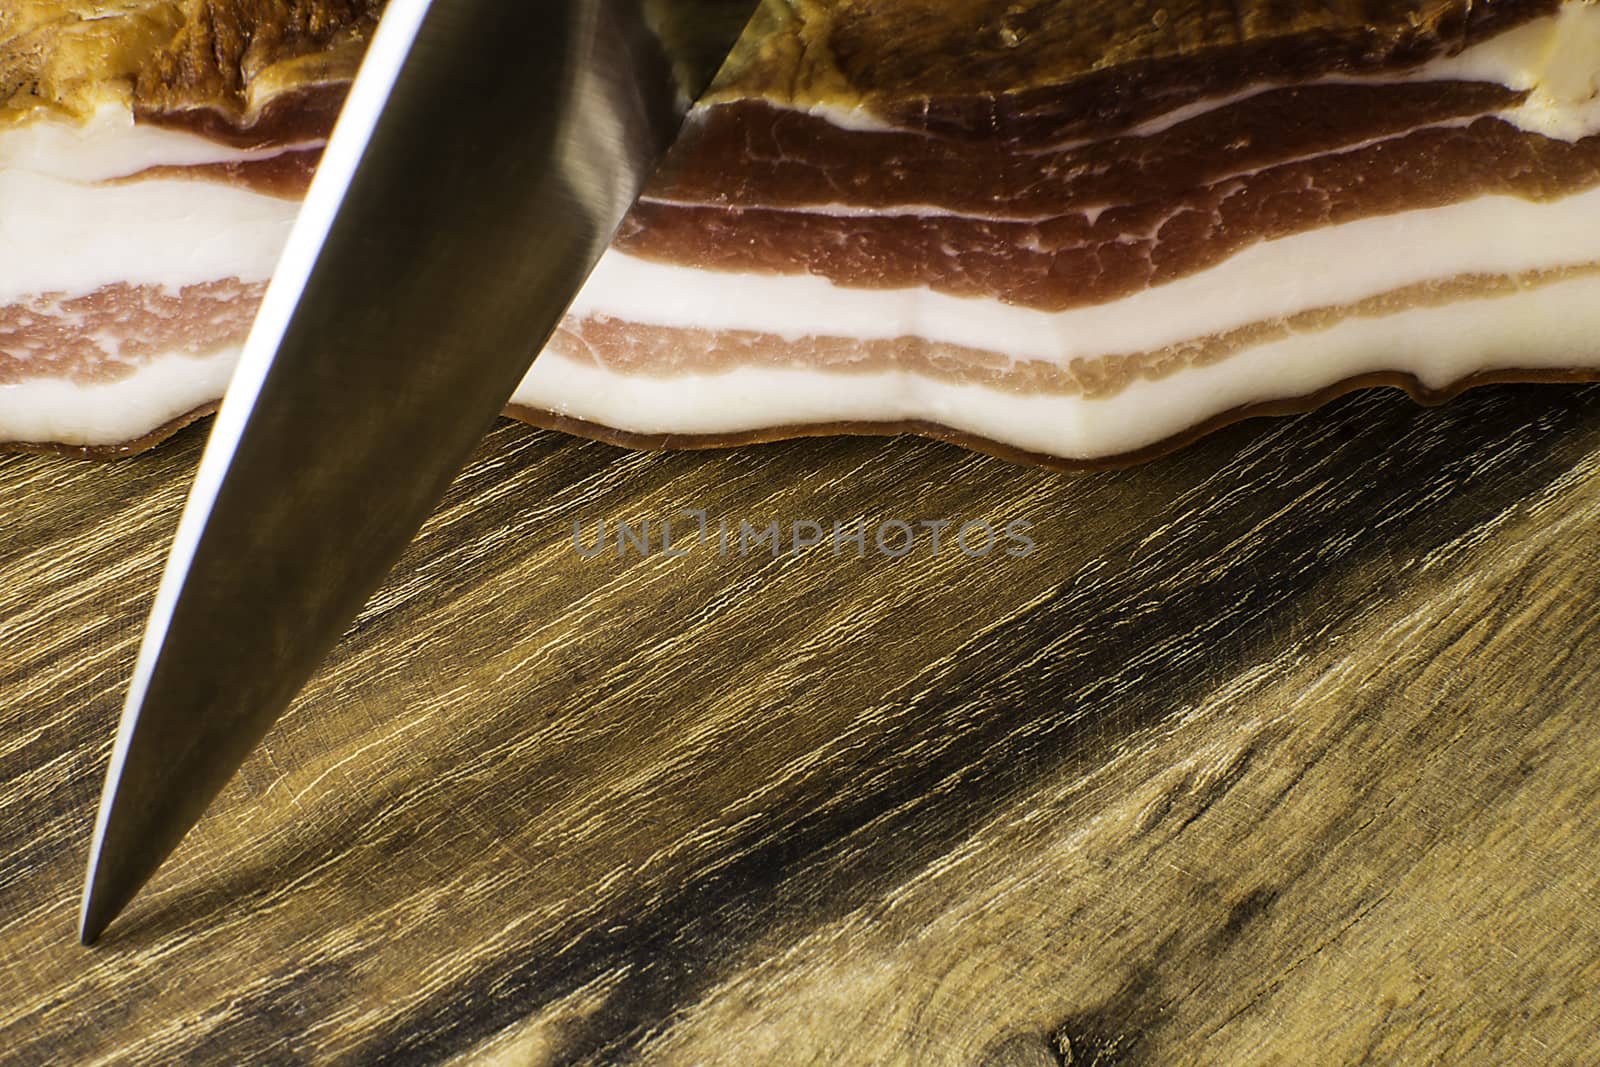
(1062, 230)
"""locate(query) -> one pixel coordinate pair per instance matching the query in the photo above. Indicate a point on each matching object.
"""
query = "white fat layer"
(1553, 326)
(1329, 267)
(1549, 327)
(1555, 59)
(60, 236)
(61, 411)
(111, 145)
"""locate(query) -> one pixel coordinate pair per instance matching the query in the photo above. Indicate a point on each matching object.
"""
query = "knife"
(485, 156)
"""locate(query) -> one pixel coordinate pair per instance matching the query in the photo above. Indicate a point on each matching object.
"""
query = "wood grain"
(1278, 750)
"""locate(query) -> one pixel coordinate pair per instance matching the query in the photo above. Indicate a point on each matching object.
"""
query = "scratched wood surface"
(1282, 750)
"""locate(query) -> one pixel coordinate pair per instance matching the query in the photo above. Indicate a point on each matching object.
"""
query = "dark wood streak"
(1138, 797)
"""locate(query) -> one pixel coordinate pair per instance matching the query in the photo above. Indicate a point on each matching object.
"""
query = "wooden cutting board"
(1283, 749)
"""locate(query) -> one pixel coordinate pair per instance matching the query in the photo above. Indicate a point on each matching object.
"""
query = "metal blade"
(486, 154)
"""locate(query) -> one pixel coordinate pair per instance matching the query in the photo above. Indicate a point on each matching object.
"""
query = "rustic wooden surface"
(1281, 750)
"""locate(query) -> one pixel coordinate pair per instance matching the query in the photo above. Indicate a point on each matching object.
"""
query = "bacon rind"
(253, 73)
(979, 68)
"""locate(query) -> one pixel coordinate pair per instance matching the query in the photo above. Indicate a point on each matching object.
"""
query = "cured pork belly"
(1075, 230)
(153, 154)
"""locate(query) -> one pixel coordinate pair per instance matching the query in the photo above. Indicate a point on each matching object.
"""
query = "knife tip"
(108, 885)
(92, 921)
(97, 909)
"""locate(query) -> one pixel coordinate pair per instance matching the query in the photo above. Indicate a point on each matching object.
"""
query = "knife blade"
(485, 156)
